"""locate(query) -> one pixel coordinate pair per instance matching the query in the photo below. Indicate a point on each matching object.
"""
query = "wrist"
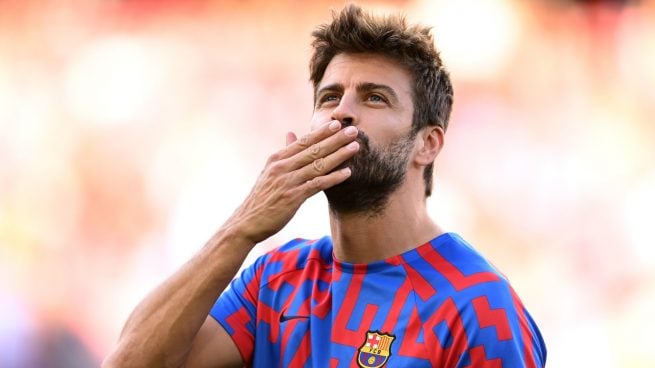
(233, 236)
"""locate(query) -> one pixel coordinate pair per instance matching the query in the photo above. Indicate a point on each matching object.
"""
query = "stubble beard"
(377, 172)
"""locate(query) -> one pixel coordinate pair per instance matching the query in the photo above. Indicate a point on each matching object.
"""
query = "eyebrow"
(368, 87)
(363, 87)
(334, 87)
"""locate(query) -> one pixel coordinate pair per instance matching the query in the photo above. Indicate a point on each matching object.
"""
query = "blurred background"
(130, 130)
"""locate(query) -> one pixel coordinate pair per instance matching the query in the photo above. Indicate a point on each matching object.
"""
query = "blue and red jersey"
(438, 305)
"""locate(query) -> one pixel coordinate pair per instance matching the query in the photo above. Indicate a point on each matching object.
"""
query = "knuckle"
(315, 149)
(286, 196)
(319, 165)
(315, 183)
(304, 140)
(274, 157)
(275, 168)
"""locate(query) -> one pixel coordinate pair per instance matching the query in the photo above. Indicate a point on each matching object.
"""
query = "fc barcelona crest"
(376, 350)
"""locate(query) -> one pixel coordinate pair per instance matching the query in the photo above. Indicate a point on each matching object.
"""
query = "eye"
(328, 98)
(376, 98)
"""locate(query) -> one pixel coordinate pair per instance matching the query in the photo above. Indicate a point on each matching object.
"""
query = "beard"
(376, 173)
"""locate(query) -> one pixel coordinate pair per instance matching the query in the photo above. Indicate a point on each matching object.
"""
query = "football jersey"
(438, 305)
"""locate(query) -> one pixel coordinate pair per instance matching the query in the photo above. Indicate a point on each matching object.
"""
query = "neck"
(401, 226)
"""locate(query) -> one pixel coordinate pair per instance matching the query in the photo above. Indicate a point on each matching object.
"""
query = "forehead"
(352, 69)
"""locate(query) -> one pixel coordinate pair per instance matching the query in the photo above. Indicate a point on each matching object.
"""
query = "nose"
(345, 112)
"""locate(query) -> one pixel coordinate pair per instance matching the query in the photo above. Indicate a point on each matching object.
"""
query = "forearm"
(161, 329)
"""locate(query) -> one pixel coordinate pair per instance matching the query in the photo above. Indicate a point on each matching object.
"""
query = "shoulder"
(292, 256)
(454, 249)
(487, 311)
(305, 248)
(451, 263)
(465, 275)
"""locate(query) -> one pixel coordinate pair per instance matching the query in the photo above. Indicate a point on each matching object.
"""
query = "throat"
(367, 239)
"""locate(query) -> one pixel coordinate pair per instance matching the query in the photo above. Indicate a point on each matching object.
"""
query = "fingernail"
(351, 130)
(334, 126)
(346, 171)
(353, 146)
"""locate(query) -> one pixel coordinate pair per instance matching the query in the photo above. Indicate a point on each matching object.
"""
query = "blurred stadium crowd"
(129, 130)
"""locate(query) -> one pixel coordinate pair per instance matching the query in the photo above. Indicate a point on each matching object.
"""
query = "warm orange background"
(130, 130)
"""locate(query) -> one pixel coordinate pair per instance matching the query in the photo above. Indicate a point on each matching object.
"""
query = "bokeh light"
(130, 130)
(477, 37)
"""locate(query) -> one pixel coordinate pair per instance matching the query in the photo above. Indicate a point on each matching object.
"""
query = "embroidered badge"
(376, 350)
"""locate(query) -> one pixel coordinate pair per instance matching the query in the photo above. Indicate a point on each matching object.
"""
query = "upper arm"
(213, 348)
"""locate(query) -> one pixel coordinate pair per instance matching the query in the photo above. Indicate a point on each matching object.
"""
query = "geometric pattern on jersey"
(441, 304)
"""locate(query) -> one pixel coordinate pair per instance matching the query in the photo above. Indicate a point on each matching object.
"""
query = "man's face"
(372, 93)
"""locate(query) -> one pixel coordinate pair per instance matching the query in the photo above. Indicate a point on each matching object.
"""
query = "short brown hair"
(353, 31)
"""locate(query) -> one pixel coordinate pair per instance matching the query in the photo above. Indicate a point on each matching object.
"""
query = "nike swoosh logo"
(284, 318)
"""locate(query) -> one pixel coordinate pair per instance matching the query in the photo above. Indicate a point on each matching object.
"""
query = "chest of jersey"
(321, 316)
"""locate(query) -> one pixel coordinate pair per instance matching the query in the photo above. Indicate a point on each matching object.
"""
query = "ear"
(429, 142)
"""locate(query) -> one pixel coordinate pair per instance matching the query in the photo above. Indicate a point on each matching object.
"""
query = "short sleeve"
(501, 332)
(236, 308)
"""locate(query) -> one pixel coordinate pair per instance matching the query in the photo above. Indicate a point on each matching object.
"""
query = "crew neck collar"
(393, 261)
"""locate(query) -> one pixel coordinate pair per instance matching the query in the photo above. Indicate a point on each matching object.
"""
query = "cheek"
(385, 129)
(318, 119)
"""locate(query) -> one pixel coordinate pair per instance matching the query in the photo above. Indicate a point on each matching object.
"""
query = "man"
(389, 288)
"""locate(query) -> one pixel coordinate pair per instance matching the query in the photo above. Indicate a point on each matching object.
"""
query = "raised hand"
(303, 168)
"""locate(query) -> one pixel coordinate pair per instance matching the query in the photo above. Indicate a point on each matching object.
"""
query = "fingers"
(308, 162)
(309, 139)
(324, 165)
(319, 183)
(315, 153)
